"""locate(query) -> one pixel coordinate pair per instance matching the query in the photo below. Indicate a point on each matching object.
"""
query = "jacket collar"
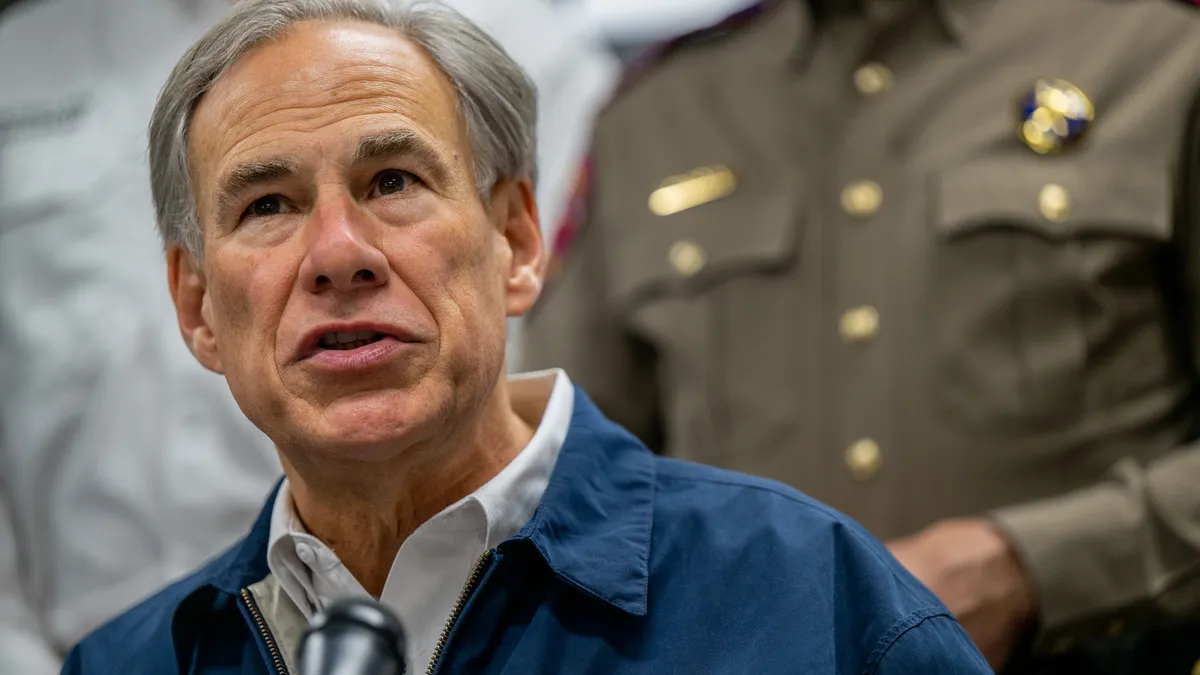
(246, 562)
(594, 523)
(592, 526)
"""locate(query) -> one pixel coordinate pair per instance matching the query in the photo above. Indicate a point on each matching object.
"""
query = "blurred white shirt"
(123, 464)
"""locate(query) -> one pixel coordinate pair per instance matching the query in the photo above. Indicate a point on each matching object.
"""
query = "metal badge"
(1054, 114)
(699, 186)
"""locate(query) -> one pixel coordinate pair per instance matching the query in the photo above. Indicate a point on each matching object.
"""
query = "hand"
(970, 566)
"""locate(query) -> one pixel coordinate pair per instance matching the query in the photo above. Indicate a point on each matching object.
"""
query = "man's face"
(354, 288)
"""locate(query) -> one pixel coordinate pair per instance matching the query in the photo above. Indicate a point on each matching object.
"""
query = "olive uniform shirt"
(899, 307)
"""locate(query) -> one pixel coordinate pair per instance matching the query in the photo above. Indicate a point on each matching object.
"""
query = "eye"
(392, 181)
(271, 205)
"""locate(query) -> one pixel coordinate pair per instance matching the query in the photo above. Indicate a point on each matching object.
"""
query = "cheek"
(450, 268)
(248, 302)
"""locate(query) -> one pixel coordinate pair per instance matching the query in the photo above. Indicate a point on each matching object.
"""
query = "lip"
(359, 358)
(396, 336)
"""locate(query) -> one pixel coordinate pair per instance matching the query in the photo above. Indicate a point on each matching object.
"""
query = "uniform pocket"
(707, 287)
(1038, 262)
(690, 251)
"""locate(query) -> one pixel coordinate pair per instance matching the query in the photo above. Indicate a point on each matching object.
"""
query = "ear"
(514, 211)
(193, 308)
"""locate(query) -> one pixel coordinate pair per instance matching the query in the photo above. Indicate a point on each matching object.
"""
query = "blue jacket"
(632, 564)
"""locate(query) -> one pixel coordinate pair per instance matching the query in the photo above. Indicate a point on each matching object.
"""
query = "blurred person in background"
(933, 263)
(122, 462)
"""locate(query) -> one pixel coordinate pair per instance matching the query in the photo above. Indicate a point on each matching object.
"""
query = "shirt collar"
(512, 496)
(506, 502)
(592, 526)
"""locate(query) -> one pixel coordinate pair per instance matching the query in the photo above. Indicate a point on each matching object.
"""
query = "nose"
(340, 255)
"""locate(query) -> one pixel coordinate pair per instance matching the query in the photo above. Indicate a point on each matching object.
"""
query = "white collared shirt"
(432, 565)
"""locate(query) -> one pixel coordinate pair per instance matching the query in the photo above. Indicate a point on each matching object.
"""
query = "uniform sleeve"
(575, 327)
(1115, 556)
(932, 645)
(1125, 554)
(22, 647)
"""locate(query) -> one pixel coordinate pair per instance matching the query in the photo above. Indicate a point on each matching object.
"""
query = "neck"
(364, 512)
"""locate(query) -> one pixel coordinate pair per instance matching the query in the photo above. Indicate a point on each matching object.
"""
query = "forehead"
(323, 76)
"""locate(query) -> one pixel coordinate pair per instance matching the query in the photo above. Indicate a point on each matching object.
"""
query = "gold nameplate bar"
(703, 185)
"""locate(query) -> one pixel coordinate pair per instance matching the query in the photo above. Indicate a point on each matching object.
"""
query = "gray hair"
(496, 99)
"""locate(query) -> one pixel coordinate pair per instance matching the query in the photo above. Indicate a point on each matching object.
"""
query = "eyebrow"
(402, 143)
(244, 176)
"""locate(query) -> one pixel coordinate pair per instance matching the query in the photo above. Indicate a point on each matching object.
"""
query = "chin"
(374, 426)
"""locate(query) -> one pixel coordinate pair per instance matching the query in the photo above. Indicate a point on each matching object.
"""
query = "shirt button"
(860, 324)
(863, 458)
(687, 257)
(1054, 202)
(873, 78)
(305, 553)
(862, 198)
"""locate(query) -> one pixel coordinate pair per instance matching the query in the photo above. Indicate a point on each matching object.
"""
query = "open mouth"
(347, 341)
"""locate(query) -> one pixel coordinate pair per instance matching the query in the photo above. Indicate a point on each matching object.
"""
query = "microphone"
(357, 636)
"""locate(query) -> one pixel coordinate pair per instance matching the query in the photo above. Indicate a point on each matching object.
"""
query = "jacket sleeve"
(935, 645)
(23, 649)
(577, 328)
(1125, 553)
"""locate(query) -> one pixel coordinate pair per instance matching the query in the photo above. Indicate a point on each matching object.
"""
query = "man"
(123, 463)
(345, 188)
(933, 263)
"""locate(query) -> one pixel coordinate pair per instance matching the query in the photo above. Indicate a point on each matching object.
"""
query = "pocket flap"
(1102, 197)
(753, 229)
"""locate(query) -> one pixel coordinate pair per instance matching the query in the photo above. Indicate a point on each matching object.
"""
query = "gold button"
(873, 78)
(863, 458)
(687, 257)
(862, 198)
(860, 324)
(1196, 668)
(1054, 202)
(1116, 627)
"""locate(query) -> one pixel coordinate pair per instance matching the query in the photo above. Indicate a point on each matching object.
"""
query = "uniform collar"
(592, 526)
(962, 17)
(958, 17)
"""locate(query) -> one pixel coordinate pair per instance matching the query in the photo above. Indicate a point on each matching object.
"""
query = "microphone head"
(356, 636)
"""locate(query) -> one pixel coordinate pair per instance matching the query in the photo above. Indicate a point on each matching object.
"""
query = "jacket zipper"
(276, 656)
(468, 589)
